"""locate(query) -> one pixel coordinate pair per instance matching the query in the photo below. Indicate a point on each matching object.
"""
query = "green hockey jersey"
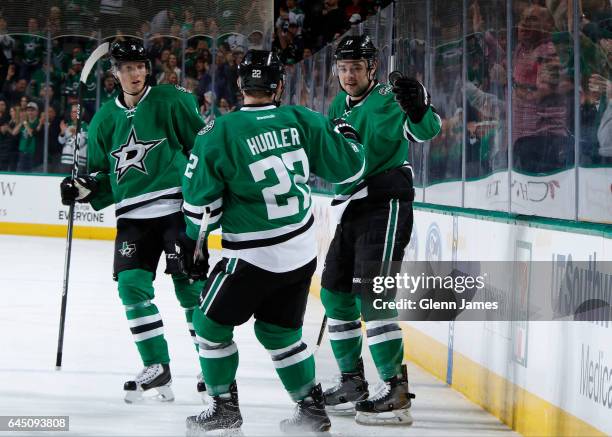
(384, 128)
(138, 155)
(250, 169)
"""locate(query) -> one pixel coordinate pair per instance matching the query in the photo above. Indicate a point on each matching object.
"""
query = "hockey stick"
(321, 333)
(100, 51)
(199, 253)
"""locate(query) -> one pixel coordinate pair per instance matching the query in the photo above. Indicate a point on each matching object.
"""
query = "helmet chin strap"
(138, 92)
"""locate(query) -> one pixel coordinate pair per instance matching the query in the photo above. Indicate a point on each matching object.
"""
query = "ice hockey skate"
(340, 400)
(391, 406)
(222, 417)
(309, 416)
(155, 378)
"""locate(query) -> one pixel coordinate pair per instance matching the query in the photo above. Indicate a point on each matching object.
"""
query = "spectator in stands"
(162, 63)
(188, 24)
(198, 27)
(354, 12)
(202, 75)
(32, 47)
(109, 90)
(295, 14)
(155, 48)
(9, 140)
(27, 140)
(14, 89)
(162, 21)
(52, 145)
(66, 139)
(209, 109)
(334, 21)
(604, 133)
(45, 91)
(7, 45)
(540, 105)
(54, 20)
(224, 106)
(171, 67)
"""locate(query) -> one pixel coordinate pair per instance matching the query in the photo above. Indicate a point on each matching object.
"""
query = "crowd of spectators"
(38, 90)
(191, 49)
(542, 86)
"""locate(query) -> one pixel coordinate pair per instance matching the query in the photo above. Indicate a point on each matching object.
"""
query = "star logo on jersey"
(132, 154)
(127, 250)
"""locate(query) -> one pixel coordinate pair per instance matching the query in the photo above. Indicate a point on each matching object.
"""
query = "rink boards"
(544, 378)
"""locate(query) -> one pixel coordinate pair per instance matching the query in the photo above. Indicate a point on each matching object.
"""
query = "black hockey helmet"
(355, 48)
(260, 70)
(131, 50)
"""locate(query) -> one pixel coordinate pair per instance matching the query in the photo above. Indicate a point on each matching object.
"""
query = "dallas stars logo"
(127, 250)
(132, 154)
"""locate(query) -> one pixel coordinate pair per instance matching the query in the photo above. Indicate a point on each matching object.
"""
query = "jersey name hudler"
(138, 155)
(251, 169)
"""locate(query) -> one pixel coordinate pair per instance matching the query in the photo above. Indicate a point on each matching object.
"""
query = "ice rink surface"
(99, 356)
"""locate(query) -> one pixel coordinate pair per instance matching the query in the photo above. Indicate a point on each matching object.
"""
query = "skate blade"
(196, 431)
(159, 394)
(395, 417)
(344, 409)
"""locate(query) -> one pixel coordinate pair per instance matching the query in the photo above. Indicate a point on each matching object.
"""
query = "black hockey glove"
(196, 270)
(81, 190)
(412, 97)
(346, 130)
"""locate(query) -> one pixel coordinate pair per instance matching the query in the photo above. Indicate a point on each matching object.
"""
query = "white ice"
(99, 356)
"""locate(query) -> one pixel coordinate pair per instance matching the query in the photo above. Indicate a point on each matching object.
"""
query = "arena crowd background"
(523, 87)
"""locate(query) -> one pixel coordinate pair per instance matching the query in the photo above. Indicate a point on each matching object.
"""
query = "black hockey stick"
(321, 333)
(98, 53)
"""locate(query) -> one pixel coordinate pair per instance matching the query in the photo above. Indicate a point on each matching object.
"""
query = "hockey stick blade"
(98, 53)
(95, 56)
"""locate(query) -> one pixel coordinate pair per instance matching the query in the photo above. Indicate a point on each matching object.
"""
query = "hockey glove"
(82, 189)
(346, 130)
(196, 270)
(412, 97)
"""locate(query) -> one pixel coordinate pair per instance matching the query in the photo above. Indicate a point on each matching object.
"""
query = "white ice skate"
(155, 376)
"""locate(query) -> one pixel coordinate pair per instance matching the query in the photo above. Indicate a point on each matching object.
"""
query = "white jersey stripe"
(293, 359)
(148, 334)
(385, 336)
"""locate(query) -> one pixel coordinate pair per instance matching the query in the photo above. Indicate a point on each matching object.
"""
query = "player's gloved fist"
(82, 189)
(412, 97)
(195, 269)
(345, 129)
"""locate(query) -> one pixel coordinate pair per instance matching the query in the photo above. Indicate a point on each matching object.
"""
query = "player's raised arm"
(422, 121)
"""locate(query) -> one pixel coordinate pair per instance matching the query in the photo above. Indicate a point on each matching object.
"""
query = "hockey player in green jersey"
(248, 173)
(374, 227)
(137, 151)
